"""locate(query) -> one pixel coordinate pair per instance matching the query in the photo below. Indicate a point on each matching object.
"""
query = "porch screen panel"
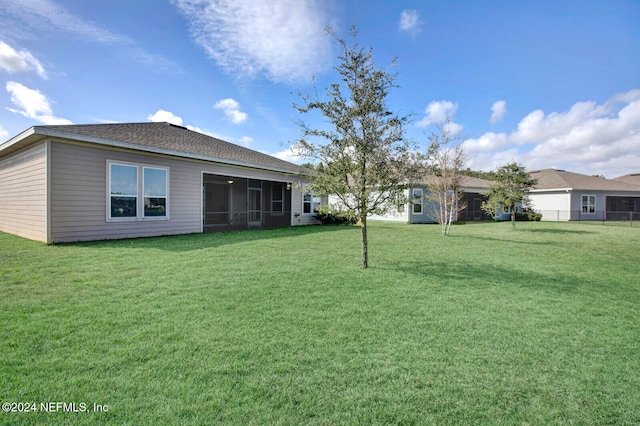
(217, 207)
(277, 199)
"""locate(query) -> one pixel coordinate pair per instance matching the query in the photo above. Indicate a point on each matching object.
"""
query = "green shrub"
(330, 215)
(528, 216)
(535, 216)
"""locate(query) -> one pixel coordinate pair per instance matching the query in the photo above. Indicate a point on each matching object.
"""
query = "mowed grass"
(540, 325)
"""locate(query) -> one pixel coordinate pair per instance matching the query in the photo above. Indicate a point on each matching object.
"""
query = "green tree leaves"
(364, 157)
(512, 184)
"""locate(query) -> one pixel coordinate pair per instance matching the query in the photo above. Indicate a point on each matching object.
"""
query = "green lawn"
(540, 325)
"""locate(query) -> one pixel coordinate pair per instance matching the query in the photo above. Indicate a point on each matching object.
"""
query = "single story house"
(562, 196)
(107, 181)
(419, 209)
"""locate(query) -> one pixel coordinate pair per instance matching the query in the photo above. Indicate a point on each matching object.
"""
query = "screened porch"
(232, 203)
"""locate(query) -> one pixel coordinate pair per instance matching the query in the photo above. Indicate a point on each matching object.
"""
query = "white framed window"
(127, 181)
(310, 203)
(588, 204)
(123, 191)
(154, 183)
(417, 196)
(277, 198)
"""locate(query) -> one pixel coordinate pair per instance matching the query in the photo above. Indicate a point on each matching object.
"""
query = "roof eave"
(18, 140)
(552, 190)
(44, 131)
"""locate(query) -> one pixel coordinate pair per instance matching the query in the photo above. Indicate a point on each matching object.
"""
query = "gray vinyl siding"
(79, 193)
(23, 189)
(428, 208)
(298, 218)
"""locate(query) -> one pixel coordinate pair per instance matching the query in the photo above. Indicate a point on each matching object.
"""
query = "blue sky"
(544, 83)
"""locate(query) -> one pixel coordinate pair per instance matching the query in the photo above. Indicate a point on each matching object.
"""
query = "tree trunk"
(452, 212)
(513, 217)
(365, 253)
(444, 214)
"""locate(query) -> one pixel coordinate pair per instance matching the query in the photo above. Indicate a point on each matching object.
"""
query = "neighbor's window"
(588, 204)
(127, 182)
(155, 191)
(417, 200)
(123, 190)
(277, 198)
(310, 204)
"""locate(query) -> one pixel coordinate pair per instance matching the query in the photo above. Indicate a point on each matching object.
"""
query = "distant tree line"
(490, 175)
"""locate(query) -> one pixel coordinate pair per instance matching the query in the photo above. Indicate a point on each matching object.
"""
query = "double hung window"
(310, 203)
(123, 190)
(417, 200)
(155, 191)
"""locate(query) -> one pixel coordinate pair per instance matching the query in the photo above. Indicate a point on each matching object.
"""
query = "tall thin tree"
(445, 160)
(364, 156)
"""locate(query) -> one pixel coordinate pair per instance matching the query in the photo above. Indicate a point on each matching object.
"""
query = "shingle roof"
(633, 178)
(474, 182)
(170, 139)
(560, 179)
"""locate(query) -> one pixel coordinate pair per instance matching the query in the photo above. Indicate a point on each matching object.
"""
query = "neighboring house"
(106, 181)
(421, 210)
(563, 196)
(633, 178)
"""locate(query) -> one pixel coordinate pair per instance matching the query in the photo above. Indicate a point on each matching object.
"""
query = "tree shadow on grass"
(482, 275)
(502, 240)
(198, 241)
(554, 231)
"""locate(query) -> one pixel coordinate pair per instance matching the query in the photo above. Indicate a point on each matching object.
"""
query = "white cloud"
(32, 104)
(409, 21)
(441, 114)
(452, 128)
(162, 116)
(437, 112)
(588, 138)
(498, 111)
(287, 154)
(13, 61)
(231, 109)
(165, 116)
(47, 15)
(198, 129)
(3, 133)
(282, 40)
(245, 141)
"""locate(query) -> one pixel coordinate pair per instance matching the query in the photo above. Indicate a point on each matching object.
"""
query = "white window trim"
(595, 202)
(414, 191)
(140, 196)
(166, 197)
(313, 197)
